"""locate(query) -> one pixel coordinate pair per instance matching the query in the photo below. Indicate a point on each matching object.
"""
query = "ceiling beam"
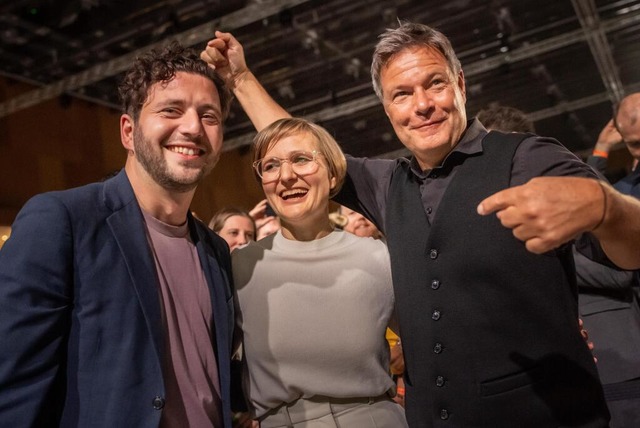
(470, 70)
(256, 11)
(599, 45)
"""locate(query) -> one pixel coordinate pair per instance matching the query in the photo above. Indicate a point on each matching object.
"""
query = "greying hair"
(409, 34)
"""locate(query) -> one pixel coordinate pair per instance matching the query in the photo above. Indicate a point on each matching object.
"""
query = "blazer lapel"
(219, 288)
(128, 228)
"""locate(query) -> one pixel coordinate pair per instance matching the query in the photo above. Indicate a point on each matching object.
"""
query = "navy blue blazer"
(81, 338)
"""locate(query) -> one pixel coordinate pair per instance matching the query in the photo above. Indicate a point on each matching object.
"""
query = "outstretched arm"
(226, 55)
(546, 212)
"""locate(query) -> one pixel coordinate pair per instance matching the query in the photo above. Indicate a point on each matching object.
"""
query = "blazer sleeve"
(36, 283)
(590, 274)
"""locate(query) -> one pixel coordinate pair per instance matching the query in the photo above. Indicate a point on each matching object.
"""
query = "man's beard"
(156, 166)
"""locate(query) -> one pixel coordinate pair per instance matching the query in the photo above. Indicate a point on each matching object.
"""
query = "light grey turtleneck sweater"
(313, 316)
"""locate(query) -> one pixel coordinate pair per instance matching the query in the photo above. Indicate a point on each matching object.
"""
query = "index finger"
(497, 202)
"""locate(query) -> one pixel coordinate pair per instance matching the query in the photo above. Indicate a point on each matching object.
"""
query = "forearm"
(619, 232)
(261, 109)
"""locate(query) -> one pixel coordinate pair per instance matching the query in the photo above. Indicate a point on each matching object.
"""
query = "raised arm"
(547, 212)
(609, 138)
(226, 55)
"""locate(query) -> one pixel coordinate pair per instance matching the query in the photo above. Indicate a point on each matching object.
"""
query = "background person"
(505, 119)
(610, 300)
(234, 225)
(359, 225)
(624, 127)
(96, 324)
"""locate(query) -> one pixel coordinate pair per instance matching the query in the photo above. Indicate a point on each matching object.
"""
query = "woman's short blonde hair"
(327, 145)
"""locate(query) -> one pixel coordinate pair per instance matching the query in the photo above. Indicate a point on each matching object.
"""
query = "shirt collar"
(469, 144)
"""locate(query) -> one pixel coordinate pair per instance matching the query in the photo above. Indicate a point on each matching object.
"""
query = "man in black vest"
(489, 328)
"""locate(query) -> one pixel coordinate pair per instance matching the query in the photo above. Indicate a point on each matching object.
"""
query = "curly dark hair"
(161, 66)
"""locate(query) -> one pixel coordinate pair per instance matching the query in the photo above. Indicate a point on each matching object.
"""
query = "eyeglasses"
(302, 163)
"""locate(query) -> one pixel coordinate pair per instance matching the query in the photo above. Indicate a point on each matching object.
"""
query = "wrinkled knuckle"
(535, 247)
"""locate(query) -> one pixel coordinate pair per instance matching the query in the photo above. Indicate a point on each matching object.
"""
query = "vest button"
(435, 315)
(429, 210)
(433, 254)
(158, 403)
(439, 381)
(437, 348)
(435, 284)
(444, 415)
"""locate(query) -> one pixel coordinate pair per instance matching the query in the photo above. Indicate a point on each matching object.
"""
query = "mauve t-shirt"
(189, 367)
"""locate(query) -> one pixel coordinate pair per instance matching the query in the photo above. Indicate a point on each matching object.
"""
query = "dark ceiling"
(564, 62)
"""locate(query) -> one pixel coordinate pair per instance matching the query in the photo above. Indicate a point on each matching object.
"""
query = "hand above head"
(226, 56)
(609, 137)
(259, 211)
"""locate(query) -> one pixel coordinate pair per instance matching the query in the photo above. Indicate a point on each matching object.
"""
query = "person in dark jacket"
(116, 305)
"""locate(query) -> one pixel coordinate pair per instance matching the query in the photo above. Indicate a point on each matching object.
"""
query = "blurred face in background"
(359, 225)
(628, 126)
(237, 231)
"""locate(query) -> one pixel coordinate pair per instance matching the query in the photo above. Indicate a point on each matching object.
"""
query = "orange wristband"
(600, 154)
(400, 391)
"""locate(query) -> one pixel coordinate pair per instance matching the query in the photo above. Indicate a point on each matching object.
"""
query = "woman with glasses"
(313, 303)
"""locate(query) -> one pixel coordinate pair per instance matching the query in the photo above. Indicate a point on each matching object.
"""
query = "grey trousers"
(327, 412)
